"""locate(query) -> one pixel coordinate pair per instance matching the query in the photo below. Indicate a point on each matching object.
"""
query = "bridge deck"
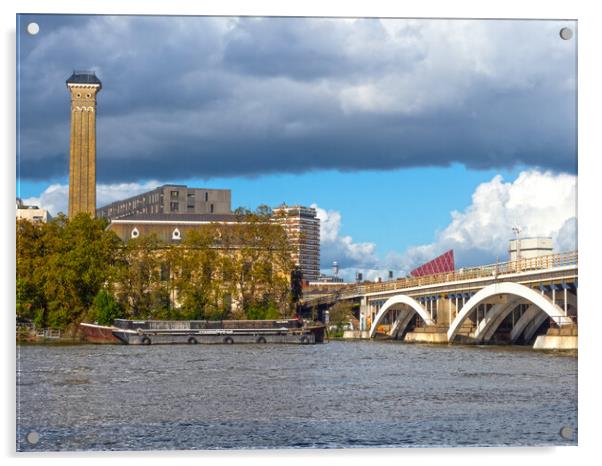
(524, 270)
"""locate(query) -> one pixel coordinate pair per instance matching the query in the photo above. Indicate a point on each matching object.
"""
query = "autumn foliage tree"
(61, 267)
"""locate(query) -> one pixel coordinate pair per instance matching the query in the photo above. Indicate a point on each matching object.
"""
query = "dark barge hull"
(152, 332)
(94, 333)
(213, 339)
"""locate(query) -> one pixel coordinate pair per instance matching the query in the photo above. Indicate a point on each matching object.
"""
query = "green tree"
(197, 277)
(31, 303)
(296, 286)
(138, 277)
(61, 266)
(105, 308)
(340, 313)
(80, 260)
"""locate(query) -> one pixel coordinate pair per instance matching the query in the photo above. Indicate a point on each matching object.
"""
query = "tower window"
(206, 196)
(211, 208)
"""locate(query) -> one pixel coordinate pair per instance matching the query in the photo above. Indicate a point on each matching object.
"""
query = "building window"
(173, 207)
(211, 208)
(164, 275)
(175, 194)
(206, 196)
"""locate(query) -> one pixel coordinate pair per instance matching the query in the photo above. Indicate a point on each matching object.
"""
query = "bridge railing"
(493, 270)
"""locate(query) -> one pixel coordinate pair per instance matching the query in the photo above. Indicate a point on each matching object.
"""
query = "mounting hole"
(32, 437)
(566, 433)
(566, 33)
(33, 29)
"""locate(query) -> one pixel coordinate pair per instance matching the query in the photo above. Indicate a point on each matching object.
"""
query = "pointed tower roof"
(84, 77)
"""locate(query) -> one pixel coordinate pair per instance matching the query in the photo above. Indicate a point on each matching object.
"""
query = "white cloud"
(541, 203)
(55, 198)
(333, 246)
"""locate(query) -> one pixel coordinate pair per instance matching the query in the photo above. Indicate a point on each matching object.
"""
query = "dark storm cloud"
(208, 97)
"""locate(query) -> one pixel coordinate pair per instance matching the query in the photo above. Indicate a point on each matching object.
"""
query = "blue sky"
(388, 126)
(373, 205)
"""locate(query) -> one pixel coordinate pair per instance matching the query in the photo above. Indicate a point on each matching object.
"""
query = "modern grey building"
(171, 199)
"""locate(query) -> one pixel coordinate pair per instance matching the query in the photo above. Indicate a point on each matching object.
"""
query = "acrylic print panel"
(218, 217)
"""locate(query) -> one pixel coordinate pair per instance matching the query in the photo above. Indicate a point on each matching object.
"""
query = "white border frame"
(589, 190)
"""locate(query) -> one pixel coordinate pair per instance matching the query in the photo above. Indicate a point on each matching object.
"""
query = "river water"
(335, 395)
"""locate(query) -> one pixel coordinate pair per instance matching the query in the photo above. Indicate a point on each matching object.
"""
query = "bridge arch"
(414, 305)
(493, 319)
(515, 290)
(528, 323)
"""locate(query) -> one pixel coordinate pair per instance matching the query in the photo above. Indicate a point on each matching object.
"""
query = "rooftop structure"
(526, 248)
(440, 264)
(84, 77)
(167, 228)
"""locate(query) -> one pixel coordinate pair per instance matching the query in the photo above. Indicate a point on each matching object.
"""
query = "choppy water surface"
(335, 395)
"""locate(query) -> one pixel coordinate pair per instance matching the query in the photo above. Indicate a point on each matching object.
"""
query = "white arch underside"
(519, 327)
(494, 317)
(401, 322)
(397, 301)
(532, 327)
(514, 290)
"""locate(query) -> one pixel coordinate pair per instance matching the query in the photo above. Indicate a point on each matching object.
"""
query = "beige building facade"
(31, 212)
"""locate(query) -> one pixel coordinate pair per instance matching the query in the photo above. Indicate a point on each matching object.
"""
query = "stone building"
(32, 213)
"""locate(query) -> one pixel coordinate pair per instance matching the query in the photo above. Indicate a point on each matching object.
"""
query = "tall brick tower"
(83, 86)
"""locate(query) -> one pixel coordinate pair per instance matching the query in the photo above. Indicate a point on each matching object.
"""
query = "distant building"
(303, 229)
(31, 212)
(83, 87)
(172, 200)
(530, 247)
(328, 279)
(440, 264)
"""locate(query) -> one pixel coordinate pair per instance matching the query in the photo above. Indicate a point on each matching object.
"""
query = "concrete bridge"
(529, 301)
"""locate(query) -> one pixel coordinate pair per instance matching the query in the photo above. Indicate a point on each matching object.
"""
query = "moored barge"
(152, 332)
